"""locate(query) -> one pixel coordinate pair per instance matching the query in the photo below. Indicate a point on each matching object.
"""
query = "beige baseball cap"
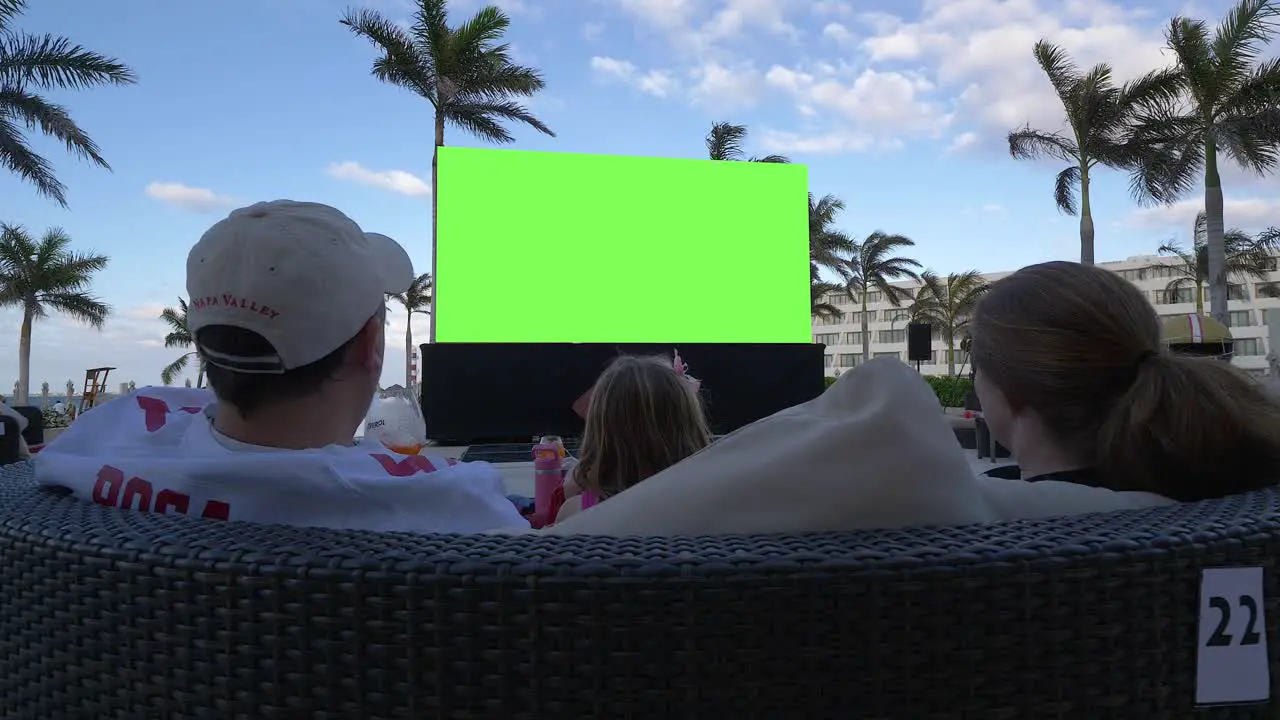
(302, 275)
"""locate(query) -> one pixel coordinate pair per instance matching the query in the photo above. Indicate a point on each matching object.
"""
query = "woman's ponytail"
(1190, 428)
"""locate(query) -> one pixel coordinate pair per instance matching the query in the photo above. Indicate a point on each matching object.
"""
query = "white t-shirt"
(156, 450)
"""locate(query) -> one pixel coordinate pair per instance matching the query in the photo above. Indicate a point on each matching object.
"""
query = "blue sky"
(899, 108)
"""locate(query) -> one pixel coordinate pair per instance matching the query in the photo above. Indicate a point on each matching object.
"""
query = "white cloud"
(838, 33)
(982, 50)
(831, 7)
(993, 208)
(592, 31)
(195, 199)
(962, 142)
(398, 181)
(659, 83)
(725, 87)
(779, 141)
(884, 104)
(1249, 214)
(612, 67)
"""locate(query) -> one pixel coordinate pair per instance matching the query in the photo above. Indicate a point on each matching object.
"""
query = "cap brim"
(394, 264)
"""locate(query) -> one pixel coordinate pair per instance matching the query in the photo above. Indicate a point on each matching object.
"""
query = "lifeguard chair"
(95, 383)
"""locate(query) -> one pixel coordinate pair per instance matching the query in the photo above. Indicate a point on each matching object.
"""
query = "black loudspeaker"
(920, 342)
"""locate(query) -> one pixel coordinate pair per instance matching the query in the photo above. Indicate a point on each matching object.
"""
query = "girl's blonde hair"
(643, 418)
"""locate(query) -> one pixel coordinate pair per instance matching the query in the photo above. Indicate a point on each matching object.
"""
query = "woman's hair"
(1081, 347)
(643, 418)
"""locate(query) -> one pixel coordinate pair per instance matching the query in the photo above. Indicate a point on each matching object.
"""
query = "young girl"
(645, 416)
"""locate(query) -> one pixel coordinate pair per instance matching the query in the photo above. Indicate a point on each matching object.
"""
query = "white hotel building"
(1150, 273)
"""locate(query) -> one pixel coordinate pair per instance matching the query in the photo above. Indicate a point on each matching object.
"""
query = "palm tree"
(819, 290)
(29, 65)
(1246, 257)
(827, 246)
(1098, 115)
(465, 72)
(179, 336)
(725, 140)
(44, 275)
(1228, 106)
(947, 304)
(872, 267)
(827, 250)
(417, 299)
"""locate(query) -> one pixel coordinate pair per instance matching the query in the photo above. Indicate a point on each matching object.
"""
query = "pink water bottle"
(548, 475)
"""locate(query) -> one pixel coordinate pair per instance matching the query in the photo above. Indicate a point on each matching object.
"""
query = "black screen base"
(473, 392)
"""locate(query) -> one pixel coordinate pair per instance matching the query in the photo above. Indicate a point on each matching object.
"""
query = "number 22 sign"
(1231, 662)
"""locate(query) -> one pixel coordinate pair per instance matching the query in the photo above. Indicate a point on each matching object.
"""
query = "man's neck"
(301, 425)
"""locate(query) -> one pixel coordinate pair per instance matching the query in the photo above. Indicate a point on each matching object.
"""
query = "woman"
(1073, 378)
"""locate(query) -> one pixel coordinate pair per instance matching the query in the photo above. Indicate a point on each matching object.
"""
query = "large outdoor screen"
(538, 247)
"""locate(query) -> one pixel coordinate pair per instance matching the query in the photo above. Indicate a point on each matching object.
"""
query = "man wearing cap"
(287, 308)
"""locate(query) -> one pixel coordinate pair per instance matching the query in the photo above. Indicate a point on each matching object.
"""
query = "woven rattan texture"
(116, 614)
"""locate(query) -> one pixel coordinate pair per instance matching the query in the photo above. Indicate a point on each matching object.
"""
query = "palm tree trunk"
(199, 373)
(1086, 219)
(1214, 233)
(866, 333)
(435, 204)
(24, 358)
(1199, 298)
(951, 356)
(408, 351)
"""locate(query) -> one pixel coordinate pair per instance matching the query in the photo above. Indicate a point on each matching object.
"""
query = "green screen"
(555, 247)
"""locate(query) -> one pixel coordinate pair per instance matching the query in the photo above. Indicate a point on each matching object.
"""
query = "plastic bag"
(395, 420)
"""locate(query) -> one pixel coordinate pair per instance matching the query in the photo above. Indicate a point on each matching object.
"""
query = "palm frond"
(18, 157)
(1064, 189)
(1057, 65)
(482, 119)
(52, 120)
(79, 306)
(174, 369)
(1029, 144)
(49, 62)
(400, 63)
(10, 9)
(1236, 44)
(724, 141)
(775, 159)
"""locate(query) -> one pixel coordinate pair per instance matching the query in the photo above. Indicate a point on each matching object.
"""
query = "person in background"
(1074, 379)
(287, 306)
(644, 416)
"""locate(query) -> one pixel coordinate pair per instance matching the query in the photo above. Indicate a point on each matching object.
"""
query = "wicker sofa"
(114, 614)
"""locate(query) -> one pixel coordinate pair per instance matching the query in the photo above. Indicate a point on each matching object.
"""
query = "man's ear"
(364, 350)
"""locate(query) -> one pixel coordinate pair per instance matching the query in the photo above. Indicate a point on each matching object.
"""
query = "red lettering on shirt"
(216, 510)
(155, 411)
(140, 489)
(137, 494)
(168, 500)
(405, 467)
(106, 491)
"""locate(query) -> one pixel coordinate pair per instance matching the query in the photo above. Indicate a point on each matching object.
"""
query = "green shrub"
(830, 381)
(54, 419)
(951, 390)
